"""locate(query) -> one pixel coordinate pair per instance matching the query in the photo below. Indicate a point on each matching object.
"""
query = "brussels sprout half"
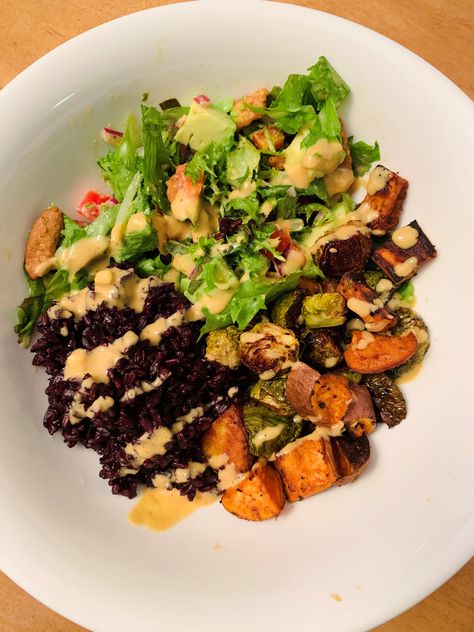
(272, 394)
(223, 346)
(269, 432)
(323, 310)
(408, 320)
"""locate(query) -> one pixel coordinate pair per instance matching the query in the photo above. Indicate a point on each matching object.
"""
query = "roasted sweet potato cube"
(365, 302)
(242, 114)
(330, 399)
(258, 496)
(375, 353)
(42, 241)
(352, 457)
(386, 203)
(261, 138)
(228, 435)
(307, 467)
(401, 263)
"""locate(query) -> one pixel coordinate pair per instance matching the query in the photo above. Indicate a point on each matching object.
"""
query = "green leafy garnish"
(363, 155)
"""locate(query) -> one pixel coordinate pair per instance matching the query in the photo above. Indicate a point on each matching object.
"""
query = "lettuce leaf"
(250, 298)
(70, 233)
(137, 243)
(41, 294)
(363, 155)
(326, 83)
(119, 166)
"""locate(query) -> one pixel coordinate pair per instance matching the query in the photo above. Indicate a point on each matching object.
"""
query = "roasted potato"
(352, 457)
(42, 241)
(400, 264)
(384, 203)
(347, 248)
(365, 302)
(243, 115)
(228, 435)
(258, 496)
(360, 416)
(375, 353)
(300, 385)
(307, 467)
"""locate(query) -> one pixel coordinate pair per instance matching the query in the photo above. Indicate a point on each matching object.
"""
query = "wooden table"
(441, 31)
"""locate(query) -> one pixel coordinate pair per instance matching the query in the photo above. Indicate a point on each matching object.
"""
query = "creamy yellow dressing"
(185, 206)
(215, 303)
(361, 308)
(406, 268)
(383, 286)
(302, 166)
(405, 237)
(339, 181)
(410, 375)
(171, 229)
(155, 330)
(245, 189)
(185, 264)
(136, 223)
(99, 360)
(81, 253)
(378, 179)
(112, 287)
(142, 387)
(267, 434)
(160, 509)
(148, 445)
(343, 232)
(320, 432)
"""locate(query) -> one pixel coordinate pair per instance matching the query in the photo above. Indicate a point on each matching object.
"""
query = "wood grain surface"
(440, 31)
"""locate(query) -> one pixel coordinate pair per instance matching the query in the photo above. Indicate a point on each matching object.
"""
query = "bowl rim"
(453, 556)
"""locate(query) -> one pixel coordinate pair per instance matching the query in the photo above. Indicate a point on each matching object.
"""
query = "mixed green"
(249, 233)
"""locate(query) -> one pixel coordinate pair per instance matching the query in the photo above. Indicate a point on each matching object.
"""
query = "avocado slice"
(205, 125)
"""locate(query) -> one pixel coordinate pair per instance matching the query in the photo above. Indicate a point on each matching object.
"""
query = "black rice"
(190, 381)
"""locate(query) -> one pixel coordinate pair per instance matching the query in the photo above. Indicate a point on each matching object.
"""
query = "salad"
(226, 320)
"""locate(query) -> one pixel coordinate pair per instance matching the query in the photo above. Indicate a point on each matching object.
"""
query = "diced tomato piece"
(284, 241)
(202, 99)
(284, 237)
(90, 205)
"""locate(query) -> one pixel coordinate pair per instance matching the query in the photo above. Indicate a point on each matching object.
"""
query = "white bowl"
(382, 543)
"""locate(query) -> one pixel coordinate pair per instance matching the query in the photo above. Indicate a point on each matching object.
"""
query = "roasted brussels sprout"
(372, 277)
(223, 345)
(408, 320)
(323, 310)
(321, 348)
(286, 309)
(345, 250)
(268, 349)
(388, 400)
(272, 394)
(352, 376)
(267, 431)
